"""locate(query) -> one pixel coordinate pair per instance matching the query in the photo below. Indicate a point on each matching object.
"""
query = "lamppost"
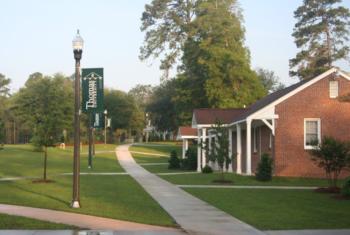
(78, 43)
(105, 112)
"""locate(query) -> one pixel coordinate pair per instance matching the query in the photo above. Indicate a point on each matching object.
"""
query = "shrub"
(264, 170)
(190, 162)
(207, 170)
(174, 161)
(332, 155)
(345, 191)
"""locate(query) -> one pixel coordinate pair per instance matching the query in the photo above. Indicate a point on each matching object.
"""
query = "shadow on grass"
(42, 194)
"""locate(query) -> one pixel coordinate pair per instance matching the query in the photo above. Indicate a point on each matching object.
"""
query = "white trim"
(297, 90)
(249, 147)
(204, 154)
(318, 120)
(239, 148)
(187, 137)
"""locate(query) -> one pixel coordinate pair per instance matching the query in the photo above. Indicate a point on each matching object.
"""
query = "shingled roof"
(187, 131)
(266, 101)
(210, 116)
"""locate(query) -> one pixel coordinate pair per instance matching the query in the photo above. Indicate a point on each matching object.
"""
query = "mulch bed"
(328, 190)
(226, 182)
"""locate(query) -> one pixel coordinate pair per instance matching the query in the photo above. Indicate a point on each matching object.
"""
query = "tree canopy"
(321, 34)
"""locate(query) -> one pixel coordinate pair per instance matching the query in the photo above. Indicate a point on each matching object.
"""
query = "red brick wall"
(313, 102)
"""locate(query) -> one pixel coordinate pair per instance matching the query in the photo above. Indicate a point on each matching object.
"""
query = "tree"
(321, 33)
(141, 95)
(4, 86)
(166, 24)
(215, 60)
(269, 80)
(162, 107)
(123, 111)
(332, 156)
(219, 151)
(46, 105)
(4, 94)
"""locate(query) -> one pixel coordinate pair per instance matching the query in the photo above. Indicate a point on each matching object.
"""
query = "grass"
(144, 158)
(117, 196)
(18, 222)
(21, 160)
(207, 179)
(157, 148)
(269, 209)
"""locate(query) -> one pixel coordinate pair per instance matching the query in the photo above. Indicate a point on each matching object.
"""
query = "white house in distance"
(186, 133)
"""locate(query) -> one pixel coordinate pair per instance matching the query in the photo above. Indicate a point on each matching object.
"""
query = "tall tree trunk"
(45, 162)
(329, 44)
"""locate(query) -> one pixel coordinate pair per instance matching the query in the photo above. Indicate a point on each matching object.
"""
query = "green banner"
(92, 90)
(97, 120)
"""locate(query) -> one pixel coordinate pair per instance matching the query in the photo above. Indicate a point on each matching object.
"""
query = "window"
(333, 89)
(270, 141)
(312, 132)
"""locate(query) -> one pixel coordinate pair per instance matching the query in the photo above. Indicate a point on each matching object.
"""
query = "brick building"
(283, 124)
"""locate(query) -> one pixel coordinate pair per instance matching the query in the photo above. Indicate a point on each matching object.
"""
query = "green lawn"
(206, 179)
(98, 147)
(279, 209)
(117, 196)
(18, 222)
(21, 160)
(143, 158)
(157, 148)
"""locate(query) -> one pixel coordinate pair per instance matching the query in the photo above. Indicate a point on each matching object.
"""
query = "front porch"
(245, 147)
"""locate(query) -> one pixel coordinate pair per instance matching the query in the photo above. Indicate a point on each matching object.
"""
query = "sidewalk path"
(192, 214)
(86, 221)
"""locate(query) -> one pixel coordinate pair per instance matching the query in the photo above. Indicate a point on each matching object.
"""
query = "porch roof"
(187, 132)
(207, 116)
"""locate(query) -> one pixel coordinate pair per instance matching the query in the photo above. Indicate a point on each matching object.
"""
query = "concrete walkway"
(86, 221)
(192, 214)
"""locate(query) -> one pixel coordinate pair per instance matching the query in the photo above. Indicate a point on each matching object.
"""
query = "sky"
(36, 36)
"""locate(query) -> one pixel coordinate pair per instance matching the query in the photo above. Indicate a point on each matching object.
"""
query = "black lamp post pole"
(76, 164)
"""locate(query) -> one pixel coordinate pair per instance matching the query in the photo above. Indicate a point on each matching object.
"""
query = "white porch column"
(249, 148)
(239, 149)
(186, 146)
(183, 148)
(204, 158)
(230, 148)
(199, 150)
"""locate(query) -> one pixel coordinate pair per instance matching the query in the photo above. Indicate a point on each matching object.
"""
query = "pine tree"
(321, 33)
(215, 59)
